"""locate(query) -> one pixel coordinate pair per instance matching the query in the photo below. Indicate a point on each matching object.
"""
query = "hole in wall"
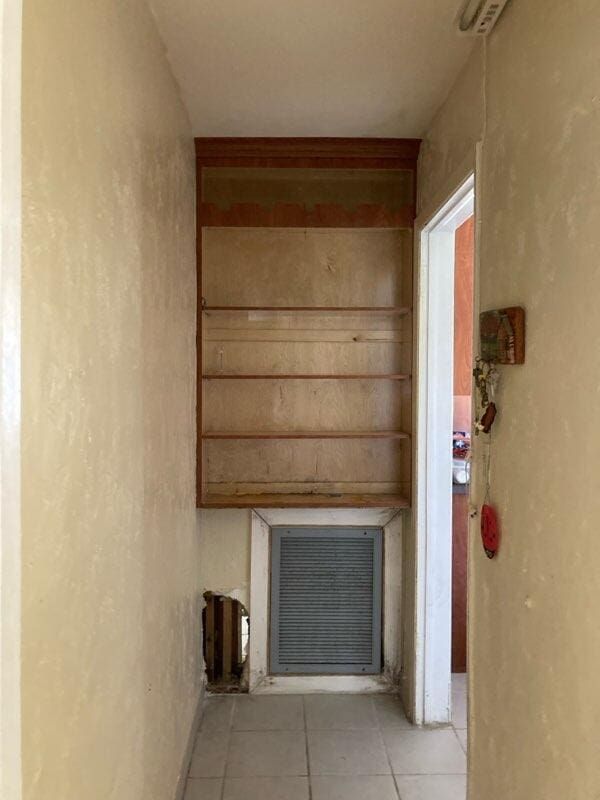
(225, 639)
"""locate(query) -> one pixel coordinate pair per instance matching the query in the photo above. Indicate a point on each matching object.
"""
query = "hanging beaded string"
(488, 469)
(486, 380)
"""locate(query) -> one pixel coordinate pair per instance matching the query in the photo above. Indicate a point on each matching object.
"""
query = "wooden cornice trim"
(299, 147)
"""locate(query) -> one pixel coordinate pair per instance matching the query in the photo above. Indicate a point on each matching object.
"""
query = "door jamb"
(10, 398)
(434, 293)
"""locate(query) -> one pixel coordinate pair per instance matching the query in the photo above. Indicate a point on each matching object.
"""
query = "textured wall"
(225, 552)
(456, 128)
(111, 655)
(534, 634)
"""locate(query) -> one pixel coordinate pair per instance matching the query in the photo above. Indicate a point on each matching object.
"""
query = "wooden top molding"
(208, 148)
(303, 501)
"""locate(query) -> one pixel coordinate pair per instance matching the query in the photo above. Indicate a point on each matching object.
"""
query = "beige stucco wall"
(111, 652)
(534, 634)
(451, 138)
(225, 552)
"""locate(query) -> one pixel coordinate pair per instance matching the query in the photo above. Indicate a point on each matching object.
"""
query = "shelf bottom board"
(303, 501)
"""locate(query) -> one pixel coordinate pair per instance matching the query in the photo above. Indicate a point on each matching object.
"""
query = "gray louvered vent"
(326, 600)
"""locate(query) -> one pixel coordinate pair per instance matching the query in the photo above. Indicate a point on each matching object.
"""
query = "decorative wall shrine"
(502, 343)
(502, 335)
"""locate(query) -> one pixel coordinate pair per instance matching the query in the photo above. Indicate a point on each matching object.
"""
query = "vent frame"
(330, 536)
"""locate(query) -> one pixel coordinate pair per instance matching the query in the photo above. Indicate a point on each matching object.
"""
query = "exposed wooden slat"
(226, 638)
(236, 635)
(304, 501)
(209, 637)
(305, 435)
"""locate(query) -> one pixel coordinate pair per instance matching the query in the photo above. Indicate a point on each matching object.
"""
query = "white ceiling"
(312, 67)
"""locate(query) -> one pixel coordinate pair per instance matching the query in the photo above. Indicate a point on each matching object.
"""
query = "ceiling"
(312, 67)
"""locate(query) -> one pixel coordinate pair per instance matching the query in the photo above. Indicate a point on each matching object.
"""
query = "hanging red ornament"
(490, 530)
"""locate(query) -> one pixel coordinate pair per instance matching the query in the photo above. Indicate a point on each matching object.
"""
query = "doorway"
(10, 399)
(464, 255)
(445, 303)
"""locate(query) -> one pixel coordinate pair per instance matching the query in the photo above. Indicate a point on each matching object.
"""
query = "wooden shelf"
(328, 376)
(303, 501)
(349, 310)
(322, 283)
(305, 435)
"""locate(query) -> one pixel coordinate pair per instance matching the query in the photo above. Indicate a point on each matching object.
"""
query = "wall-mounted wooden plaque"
(502, 335)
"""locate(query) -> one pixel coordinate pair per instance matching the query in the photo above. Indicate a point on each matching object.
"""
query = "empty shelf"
(328, 376)
(305, 435)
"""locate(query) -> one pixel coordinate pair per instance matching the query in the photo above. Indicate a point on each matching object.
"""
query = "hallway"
(228, 278)
(326, 747)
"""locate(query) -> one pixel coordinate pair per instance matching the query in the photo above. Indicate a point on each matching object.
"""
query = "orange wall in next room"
(463, 349)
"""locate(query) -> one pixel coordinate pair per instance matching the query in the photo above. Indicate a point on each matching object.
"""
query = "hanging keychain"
(486, 379)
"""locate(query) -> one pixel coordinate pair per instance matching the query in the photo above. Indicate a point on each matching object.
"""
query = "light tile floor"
(325, 747)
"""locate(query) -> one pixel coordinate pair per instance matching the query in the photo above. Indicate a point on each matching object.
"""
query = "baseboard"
(316, 684)
(187, 756)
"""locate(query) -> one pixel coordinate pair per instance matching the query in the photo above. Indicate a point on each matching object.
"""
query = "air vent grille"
(326, 600)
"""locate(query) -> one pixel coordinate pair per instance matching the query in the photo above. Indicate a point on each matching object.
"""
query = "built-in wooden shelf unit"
(305, 323)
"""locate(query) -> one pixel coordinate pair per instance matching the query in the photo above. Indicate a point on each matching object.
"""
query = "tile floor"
(325, 747)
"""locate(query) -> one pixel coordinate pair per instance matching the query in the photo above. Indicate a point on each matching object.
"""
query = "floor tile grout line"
(330, 730)
(381, 727)
(389, 761)
(462, 747)
(309, 780)
(228, 748)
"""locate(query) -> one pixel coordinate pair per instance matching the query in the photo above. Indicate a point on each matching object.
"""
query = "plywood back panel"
(304, 357)
(302, 461)
(326, 405)
(268, 187)
(290, 266)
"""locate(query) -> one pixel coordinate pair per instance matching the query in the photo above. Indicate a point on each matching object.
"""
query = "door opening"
(464, 253)
(445, 301)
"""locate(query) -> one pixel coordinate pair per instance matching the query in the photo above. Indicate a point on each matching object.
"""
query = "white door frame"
(10, 399)
(433, 464)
